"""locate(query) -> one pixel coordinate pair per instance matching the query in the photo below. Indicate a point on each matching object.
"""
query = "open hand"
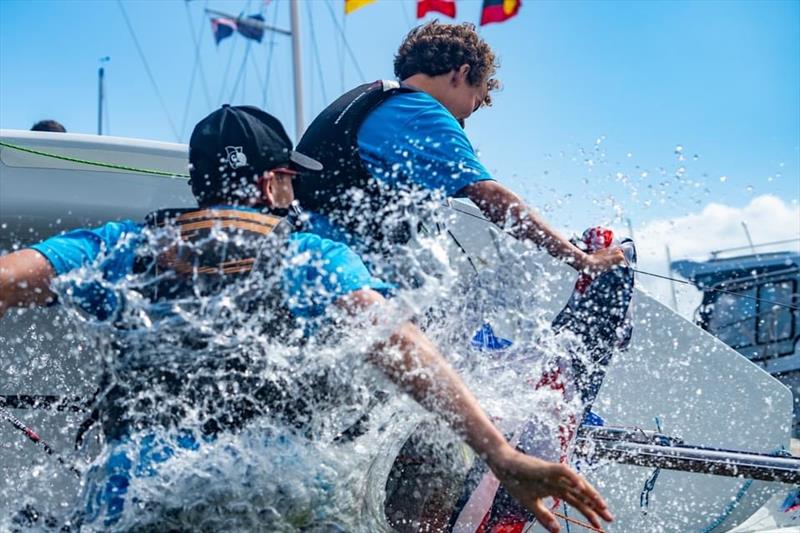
(529, 480)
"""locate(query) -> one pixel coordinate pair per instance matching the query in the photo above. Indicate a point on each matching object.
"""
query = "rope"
(650, 484)
(569, 519)
(93, 163)
(734, 293)
(147, 69)
(36, 439)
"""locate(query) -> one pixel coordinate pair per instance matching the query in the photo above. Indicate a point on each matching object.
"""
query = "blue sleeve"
(108, 247)
(79, 247)
(412, 136)
(320, 271)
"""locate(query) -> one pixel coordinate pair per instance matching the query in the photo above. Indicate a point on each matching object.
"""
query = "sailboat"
(724, 424)
(728, 422)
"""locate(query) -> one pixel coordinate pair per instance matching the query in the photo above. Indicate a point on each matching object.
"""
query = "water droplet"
(679, 149)
(723, 179)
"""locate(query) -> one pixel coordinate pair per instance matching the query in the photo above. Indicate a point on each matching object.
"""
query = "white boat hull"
(700, 389)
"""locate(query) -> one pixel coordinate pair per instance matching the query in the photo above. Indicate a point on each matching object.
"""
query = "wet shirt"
(411, 140)
(317, 271)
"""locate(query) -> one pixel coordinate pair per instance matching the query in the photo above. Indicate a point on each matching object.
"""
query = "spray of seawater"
(323, 427)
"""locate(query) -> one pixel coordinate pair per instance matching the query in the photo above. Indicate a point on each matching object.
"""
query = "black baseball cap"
(233, 146)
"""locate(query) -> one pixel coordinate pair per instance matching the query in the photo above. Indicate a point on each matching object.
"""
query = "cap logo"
(236, 157)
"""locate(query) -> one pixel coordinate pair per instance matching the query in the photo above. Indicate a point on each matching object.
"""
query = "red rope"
(578, 522)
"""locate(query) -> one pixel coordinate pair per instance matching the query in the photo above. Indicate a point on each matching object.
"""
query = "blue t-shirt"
(412, 139)
(411, 136)
(316, 273)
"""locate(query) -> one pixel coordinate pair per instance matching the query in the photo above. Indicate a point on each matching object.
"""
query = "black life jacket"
(344, 190)
(225, 388)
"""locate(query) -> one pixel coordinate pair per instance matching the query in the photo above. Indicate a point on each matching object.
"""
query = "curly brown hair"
(434, 48)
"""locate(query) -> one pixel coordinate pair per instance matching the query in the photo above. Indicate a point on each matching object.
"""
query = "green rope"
(93, 163)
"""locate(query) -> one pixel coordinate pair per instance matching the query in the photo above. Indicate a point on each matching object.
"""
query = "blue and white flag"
(222, 28)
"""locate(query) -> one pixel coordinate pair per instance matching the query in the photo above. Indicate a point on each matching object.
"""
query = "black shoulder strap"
(332, 140)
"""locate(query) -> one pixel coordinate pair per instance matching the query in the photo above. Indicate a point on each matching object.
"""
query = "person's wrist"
(501, 458)
(584, 262)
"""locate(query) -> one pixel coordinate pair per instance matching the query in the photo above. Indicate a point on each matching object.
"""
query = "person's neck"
(436, 86)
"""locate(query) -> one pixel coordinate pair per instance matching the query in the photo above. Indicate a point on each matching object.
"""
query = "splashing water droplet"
(723, 179)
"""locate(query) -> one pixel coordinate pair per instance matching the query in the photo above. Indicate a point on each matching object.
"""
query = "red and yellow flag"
(499, 10)
(352, 5)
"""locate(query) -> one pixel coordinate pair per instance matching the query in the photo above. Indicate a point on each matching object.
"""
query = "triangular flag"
(222, 28)
(352, 5)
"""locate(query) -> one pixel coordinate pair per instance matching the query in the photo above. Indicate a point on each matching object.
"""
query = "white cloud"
(716, 227)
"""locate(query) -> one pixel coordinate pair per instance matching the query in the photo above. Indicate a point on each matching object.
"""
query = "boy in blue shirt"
(242, 167)
(385, 138)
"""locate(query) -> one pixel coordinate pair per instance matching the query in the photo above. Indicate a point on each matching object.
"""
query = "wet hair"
(49, 125)
(434, 48)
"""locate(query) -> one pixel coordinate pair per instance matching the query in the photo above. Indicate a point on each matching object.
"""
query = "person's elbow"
(359, 300)
(492, 198)
(25, 278)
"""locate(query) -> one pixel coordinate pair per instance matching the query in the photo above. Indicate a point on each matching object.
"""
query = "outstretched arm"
(502, 207)
(410, 360)
(25, 280)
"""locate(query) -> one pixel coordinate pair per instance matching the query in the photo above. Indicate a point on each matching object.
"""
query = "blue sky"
(610, 110)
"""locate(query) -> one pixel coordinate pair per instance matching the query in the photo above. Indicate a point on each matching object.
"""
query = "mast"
(294, 15)
(299, 123)
(101, 72)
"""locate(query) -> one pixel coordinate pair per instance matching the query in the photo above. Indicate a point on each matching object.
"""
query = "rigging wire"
(259, 77)
(240, 75)
(198, 65)
(346, 44)
(147, 69)
(198, 36)
(405, 13)
(704, 289)
(227, 71)
(243, 98)
(191, 90)
(316, 54)
(267, 78)
(691, 283)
